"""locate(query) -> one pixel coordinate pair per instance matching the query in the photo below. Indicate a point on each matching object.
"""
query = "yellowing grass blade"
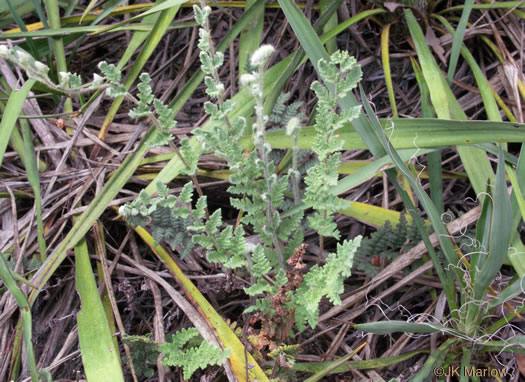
(372, 215)
(385, 58)
(88, 9)
(158, 7)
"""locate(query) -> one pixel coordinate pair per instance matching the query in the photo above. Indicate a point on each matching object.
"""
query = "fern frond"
(190, 358)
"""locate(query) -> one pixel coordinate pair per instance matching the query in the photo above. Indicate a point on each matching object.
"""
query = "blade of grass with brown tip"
(385, 58)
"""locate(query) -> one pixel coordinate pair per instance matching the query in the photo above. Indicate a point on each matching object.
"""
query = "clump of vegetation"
(284, 260)
(281, 295)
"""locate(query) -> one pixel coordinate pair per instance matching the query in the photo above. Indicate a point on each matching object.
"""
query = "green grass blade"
(34, 180)
(457, 41)
(435, 217)
(53, 15)
(88, 9)
(250, 37)
(475, 161)
(482, 235)
(517, 193)
(17, 143)
(313, 367)
(145, 28)
(511, 291)
(489, 102)
(465, 363)
(393, 326)
(366, 173)
(10, 283)
(320, 374)
(351, 21)
(500, 233)
(23, 27)
(436, 358)
(331, 43)
(160, 6)
(433, 158)
(517, 178)
(100, 356)
(514, 344)
(496, 5)
(21, 7)
(137, 39)
(413, 133)
(12, 110)
(41, 13)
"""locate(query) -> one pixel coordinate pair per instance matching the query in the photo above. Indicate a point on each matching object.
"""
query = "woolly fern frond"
(283, 113)
(261, 265)
(145, 97)
(178, 353)
(325, 281)
(144, 353)
(385, 241)
(323, 176)
(113, 75)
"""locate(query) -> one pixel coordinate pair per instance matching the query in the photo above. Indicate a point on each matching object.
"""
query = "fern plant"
(188, 350)
(385, 242)
(283, 294)
(259, 192)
